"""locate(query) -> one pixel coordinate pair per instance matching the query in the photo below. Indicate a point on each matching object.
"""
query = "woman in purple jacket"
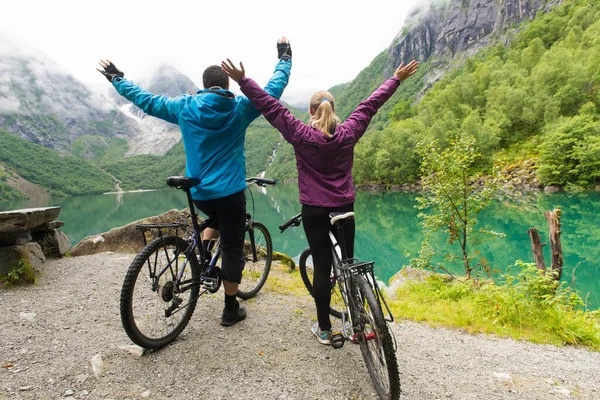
(324, 151)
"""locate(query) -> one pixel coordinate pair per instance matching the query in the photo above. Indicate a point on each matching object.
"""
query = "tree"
(454, 198)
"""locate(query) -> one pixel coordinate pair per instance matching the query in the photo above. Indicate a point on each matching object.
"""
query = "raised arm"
(280, 78)
(270, 107)
(360, 118)
(162, 107)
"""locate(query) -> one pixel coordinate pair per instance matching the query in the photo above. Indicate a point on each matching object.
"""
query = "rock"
(14, 238)
(69, 392)
(81, 378)
(503, 377)
(133, 349)
(145, 394)
(125, 239)
(27, 316)
(551, 189)
(561, 390)
(11, 256)
(26, 219)
(53, 242)
(56, 224)
(97, 365)
(598, 188)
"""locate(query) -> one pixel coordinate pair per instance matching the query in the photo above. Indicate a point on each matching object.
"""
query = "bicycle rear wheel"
(375, 339)
(337, 305)
(258, 253)
(155, 305)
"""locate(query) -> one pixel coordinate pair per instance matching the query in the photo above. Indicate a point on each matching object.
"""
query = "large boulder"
(126, 239)
(12, 256)
(54, 242)
(26, 219)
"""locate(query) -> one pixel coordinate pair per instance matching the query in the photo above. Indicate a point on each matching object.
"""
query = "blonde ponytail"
(323, 117)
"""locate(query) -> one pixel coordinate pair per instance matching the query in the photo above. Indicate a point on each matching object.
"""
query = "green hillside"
(148, 171)
(60, 175)
(536, 98)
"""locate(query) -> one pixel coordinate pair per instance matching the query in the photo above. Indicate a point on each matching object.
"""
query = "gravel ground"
(54, 331)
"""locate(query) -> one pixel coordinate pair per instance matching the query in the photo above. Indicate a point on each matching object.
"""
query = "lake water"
(388, 230)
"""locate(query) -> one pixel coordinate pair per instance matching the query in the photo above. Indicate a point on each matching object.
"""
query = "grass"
(529, 306)
(21, 272)
(284, 280)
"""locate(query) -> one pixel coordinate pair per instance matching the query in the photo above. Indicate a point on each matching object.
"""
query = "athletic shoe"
(324, 337)
(230, 318)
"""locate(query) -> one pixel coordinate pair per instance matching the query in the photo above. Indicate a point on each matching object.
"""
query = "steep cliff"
(445, 32)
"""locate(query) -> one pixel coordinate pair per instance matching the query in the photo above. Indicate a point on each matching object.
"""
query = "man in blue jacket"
(213, 125)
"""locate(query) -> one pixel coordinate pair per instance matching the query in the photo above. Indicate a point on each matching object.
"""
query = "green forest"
(536, 98)
(59, 174)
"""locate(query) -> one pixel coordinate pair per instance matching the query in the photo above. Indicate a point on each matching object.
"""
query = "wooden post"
(553, 218)
(536, 248)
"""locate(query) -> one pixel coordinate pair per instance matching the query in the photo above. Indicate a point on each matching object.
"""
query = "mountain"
(43, 104)
(158, 136)
(443, 35)
(33, 171)
(447, 32)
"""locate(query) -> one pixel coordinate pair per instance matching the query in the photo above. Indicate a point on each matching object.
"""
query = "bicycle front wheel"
(375, 339)
(258, 252)
(155, 304)
(336, 305)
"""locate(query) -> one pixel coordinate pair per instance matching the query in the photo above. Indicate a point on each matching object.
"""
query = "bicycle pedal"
(210, 283)
(337, 340)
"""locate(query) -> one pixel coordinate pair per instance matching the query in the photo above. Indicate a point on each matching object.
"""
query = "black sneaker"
(232, 317)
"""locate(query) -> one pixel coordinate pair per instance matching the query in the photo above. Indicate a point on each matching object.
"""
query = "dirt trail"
(51, 331)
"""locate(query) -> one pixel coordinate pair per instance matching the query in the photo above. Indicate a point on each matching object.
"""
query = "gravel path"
(51, 332)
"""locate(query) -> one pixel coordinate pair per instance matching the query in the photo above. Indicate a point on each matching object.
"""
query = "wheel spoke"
(151, 307)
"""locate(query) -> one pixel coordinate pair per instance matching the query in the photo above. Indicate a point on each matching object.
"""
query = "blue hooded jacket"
(213, 126)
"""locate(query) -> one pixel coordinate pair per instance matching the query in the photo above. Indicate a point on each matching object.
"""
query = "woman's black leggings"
(317, 225)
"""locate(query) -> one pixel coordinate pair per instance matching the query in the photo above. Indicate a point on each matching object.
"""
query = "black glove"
(110, 72)
(284, 50)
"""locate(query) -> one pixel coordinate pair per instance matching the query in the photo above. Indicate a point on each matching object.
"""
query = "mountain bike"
(165, 280)
(357, 300)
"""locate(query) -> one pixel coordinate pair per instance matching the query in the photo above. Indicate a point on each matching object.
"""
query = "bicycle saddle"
(340, 216)
(182, 182)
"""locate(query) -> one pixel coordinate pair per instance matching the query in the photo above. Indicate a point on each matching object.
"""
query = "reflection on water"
(388, 229)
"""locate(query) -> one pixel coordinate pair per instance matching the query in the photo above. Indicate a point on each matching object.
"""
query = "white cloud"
(332, 41)
(8, 104)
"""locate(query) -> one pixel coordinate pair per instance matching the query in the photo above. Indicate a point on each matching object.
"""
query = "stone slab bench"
(30, 235)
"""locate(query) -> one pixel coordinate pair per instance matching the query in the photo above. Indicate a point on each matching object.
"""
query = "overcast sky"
(332, 41)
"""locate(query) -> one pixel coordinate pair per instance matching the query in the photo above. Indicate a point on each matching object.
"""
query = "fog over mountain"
(158, 136)
(42, 103)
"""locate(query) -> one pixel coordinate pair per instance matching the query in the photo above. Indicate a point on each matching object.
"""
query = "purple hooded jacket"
(324, 164)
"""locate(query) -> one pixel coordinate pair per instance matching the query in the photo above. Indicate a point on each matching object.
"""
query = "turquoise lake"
(388, 230)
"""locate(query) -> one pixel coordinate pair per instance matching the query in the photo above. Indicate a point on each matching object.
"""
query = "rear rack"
(352, 267)
(143, 228)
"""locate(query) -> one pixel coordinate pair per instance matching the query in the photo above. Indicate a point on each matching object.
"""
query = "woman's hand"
(232, 71)
(404, 72)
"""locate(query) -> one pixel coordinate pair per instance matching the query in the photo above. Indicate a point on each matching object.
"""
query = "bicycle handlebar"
(295, 221)
(261, 181)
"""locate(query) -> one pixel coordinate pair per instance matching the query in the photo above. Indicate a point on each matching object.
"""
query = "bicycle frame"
(195, 243)
(351, 267)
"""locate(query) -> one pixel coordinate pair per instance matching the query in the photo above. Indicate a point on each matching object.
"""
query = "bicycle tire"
(336, 305)
(255, 272)
(144, 302)
(375, 339)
